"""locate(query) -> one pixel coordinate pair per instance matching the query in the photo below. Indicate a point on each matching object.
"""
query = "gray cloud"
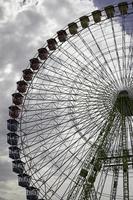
(1, 13)
(2, 198)
(18, 37)
(59, 11)
(6, 171)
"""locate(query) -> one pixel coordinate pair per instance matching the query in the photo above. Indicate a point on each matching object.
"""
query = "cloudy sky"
(22, 31)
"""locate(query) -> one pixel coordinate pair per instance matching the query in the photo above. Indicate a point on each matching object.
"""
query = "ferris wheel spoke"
(63, 95)
(67, 82)
(79, 107)
(89, 62)
(116, 49)
(51, 127)
(67, 160)
(52, 78)
(70, 167)
(130, 120)
(124, 70)
(72, 58)
(56, 116)
(112, 74)
(79, 77)
(130, 56)
(74, 134)
(66, 129)
(68, 64)
(94, 68)
(102, 54)
(70, 173)
(76, 83)
(112, 60)
(55, 135)
(68, 150)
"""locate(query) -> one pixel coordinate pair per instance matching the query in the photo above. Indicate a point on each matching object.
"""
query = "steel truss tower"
(102, 158)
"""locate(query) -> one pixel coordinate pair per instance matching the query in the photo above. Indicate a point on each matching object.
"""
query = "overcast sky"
(22, 32)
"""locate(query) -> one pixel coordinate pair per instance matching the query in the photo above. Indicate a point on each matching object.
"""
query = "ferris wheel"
(71, 121)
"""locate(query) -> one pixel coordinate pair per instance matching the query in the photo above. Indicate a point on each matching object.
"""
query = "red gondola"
(52, 44)
(22, 86)
(27, 74)
(14, 111)
(43, 53)
(34, 63)
(17, 98)
(62, 35)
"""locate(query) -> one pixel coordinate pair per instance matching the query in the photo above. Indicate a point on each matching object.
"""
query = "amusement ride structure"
(71, 118)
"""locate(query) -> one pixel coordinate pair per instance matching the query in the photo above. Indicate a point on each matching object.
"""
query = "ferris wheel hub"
(124, 103)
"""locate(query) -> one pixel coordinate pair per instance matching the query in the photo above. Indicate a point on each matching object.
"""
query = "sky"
(22, 31)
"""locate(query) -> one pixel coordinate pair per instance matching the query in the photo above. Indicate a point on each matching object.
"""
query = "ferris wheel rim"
(43, 64)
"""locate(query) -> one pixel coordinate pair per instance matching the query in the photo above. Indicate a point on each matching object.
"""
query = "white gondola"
(14, 152)
(12, 125)
(22, 86)
(17, 98)
(12, 138)
(32, 193)
(24, 180)
(18, 166)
